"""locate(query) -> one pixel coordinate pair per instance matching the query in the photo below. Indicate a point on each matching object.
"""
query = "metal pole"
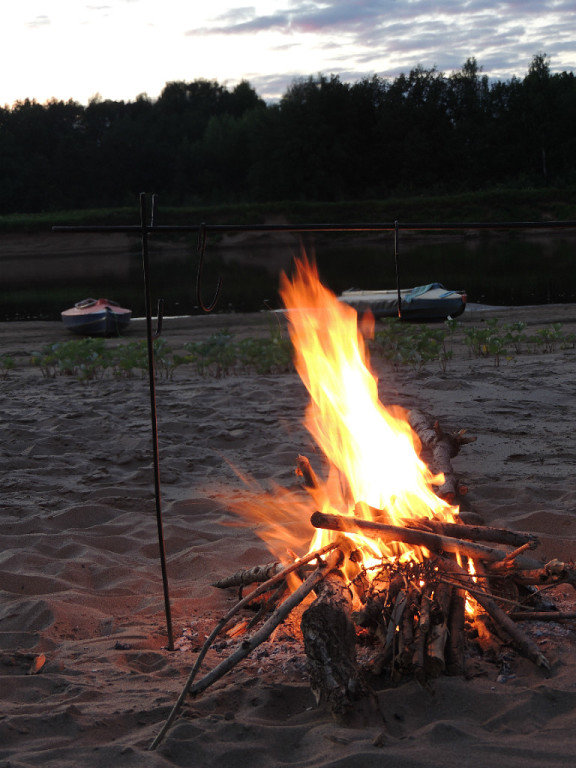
(153, 415)
(396, 228)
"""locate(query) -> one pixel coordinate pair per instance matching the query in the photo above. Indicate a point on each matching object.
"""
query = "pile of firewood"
(417, 616)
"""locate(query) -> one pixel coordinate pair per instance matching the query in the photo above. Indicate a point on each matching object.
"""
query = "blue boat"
(425, 302)
(96, 317)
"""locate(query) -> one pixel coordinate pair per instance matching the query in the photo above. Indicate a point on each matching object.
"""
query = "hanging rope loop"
(201, 251)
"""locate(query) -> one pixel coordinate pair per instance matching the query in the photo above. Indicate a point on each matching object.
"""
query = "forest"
(200, 142)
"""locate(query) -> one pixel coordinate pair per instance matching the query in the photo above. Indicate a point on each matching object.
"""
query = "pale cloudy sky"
(121, 48)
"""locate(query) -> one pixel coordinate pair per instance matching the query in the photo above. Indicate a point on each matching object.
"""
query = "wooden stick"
(524, 644)
(257, 574)
(456, 530)
(421, 640)
(436, 662)
(554, 572)
(304, 469)
(478, 590)
(508, 563)
(455, 661)
(433, 541)
(222, 623)
(388, 634)
(406, 635)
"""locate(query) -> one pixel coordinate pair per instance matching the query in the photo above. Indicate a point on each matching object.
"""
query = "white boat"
(425, 302)
(96, 317)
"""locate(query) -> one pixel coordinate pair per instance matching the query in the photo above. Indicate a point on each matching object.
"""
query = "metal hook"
(160, 305)
(201, 251)
(159, 318)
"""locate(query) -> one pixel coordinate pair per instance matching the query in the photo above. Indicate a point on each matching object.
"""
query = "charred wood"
(330, 645)
(433, 541)
(421, 640)
(455, 530)
(523, 643)
(554, 572)
(456, 637)
(439, 629)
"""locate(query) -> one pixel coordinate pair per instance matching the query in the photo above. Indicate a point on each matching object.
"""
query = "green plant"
(84, 358)
(491, 340)
(265, 355)
(6, 365)
(548, 339)
(215, 356)
(413, 345)
(514, 335)
(133, 357)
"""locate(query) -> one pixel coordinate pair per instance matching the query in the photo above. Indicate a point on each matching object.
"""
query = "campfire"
(385, 559)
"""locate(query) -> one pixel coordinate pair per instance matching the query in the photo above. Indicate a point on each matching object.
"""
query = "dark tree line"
(324, 140)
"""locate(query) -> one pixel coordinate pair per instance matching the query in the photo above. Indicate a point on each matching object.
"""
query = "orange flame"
(371, 450)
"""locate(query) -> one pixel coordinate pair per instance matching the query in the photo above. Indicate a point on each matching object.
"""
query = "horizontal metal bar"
(384, 227)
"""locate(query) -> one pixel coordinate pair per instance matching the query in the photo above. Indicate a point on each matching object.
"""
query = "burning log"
(406, 636)
(457, 530)
(420, 641)
(415, 537)
(439, 632)
(443, 447)
(456, 640)
(304, 469)
(330, 645)
(396, 604)
(525, 645)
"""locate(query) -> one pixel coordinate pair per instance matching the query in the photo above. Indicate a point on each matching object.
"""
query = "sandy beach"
(80, 581)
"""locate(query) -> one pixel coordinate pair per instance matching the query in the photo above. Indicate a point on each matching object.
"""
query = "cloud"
(39, 21)
(371, 22)
(390, 36)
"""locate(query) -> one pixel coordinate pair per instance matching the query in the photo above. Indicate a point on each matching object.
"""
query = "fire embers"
(413, 615)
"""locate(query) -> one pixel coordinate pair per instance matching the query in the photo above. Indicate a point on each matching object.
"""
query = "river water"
(517, 268)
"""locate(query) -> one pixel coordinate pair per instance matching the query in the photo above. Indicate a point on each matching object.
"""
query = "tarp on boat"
(424, 302)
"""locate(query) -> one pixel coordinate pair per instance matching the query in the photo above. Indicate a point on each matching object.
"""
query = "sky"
(119, 49)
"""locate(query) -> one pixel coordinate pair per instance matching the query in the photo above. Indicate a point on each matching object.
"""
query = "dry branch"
(524, 644)
(420, 640)
(313, 579)
(415, 537)
(554, 572)
(439, 631)
(255, 575)
(455, 530)
(304, 469)
(455, 660)
(442, 447)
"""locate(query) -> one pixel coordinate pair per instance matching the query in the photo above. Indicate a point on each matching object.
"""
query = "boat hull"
(96, 318)
(431, 302)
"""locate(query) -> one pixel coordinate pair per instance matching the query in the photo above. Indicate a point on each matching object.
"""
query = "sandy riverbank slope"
(80, 580)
